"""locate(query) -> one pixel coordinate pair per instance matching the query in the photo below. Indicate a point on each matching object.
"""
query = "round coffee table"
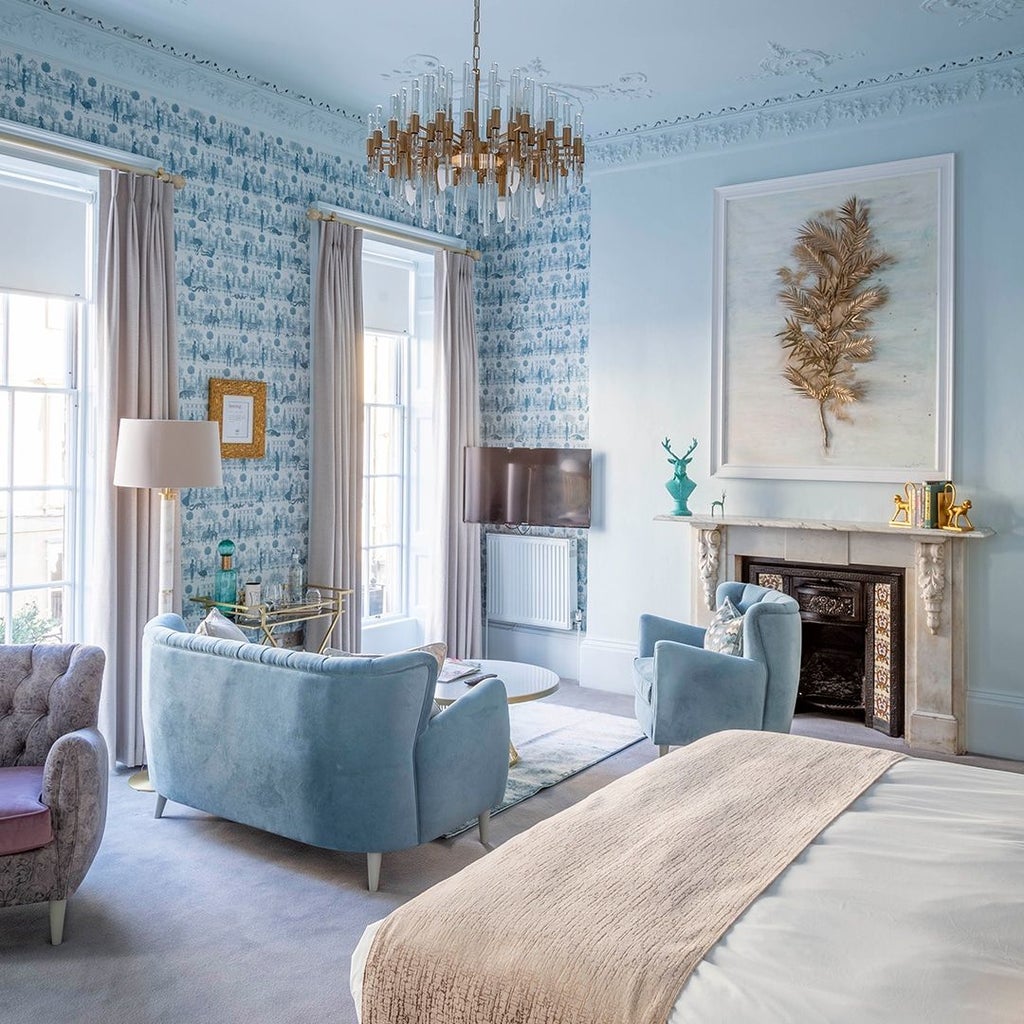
(522, 683)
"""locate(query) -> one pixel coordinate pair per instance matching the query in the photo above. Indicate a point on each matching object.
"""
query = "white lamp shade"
(168, 454)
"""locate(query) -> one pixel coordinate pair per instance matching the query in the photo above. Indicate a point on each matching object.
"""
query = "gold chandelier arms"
(55, 148)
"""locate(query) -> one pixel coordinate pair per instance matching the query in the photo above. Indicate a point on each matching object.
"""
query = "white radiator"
(531, 581)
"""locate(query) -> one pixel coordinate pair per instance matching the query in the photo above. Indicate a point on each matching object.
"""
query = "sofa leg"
(57, 910)
(662, 749)
(373, 871)
(485, 827)
(161, 803)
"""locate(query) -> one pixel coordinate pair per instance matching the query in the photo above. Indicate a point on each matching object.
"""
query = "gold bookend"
(903, 516)
(952, 513)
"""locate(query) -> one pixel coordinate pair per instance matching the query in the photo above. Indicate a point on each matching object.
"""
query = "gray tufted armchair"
(53, 773)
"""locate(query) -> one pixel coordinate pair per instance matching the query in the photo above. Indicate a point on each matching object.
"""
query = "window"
(39, 409)
(43, 327)
(398, 454)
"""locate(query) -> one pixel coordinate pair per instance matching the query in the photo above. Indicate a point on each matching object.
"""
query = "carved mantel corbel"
(931, 580)
(709, 545)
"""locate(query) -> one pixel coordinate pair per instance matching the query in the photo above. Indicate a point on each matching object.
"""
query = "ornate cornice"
(87, 44)
(901, 94)
(90, 45)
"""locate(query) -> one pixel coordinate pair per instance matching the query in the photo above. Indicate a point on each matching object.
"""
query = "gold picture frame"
(240, 407)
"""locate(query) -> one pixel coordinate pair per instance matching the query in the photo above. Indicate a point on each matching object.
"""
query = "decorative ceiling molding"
(898, 95)
(631, 86)
(91, 46)
(87, 45)
(972, 10)
(782, 62)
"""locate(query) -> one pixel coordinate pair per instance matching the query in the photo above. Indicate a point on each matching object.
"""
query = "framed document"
(240, 407)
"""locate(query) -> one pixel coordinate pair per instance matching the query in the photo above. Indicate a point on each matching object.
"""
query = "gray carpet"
(193, 919)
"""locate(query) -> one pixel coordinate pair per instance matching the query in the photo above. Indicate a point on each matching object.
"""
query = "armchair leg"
(485, 827)
(57, 910)
(662, 749)
(161, 803)
(373, 871)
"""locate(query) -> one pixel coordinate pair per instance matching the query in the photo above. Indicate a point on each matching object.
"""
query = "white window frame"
(405, 625)
(80, 332)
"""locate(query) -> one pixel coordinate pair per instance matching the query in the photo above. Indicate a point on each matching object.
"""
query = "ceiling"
(634, 64)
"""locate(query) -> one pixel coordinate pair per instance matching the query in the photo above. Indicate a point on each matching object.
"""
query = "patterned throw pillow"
(438, 650)
(220, 626)
(725, 634)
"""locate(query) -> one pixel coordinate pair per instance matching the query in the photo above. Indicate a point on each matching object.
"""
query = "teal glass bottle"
(225, 581)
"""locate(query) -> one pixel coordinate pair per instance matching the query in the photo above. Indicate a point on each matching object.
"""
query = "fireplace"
(929, 648)
(852, 657)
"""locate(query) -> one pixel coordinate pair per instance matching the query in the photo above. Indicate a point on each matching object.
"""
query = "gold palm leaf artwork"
(830, 297)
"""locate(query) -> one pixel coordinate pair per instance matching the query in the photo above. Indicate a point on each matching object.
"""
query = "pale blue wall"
(651, 376)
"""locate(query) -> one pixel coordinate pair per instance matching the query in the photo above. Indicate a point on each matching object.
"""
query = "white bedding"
(908, 908)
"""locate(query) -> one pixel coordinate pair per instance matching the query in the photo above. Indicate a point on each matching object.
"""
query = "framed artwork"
(833, 325)
(240, 407)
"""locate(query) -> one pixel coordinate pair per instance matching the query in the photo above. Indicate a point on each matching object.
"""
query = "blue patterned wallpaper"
(533, 337)
(243, 296)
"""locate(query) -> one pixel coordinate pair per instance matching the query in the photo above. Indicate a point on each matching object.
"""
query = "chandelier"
(518, 158)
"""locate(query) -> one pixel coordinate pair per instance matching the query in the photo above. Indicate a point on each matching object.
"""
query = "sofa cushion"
(725, 632)
(644, 677)
(24, 820)
(218, 625)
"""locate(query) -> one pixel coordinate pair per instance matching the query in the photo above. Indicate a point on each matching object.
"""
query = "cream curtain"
(336, 445)
(137, 378)
(457, 596)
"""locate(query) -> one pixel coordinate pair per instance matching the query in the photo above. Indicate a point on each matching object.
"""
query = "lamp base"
(139, 781)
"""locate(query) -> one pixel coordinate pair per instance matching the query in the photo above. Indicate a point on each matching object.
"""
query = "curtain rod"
(98, 156)
(389, 229)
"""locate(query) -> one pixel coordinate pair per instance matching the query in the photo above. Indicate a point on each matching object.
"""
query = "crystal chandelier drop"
(518, 158)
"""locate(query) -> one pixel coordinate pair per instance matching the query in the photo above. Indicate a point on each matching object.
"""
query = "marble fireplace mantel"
(934, 563)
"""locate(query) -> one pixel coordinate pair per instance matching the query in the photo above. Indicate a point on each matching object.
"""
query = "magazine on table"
(456, 668)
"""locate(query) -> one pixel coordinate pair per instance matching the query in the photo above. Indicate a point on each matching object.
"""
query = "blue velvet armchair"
(684, 692)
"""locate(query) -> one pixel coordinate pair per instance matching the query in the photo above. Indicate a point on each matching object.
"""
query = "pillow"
(438, 650)
(725, 634)
(220, 626)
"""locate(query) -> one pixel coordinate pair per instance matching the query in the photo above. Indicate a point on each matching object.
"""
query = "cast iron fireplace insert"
(852, 658)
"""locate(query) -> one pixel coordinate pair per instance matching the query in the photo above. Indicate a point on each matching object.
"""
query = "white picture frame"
(902, 428)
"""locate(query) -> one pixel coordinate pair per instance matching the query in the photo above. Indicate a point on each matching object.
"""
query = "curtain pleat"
(336, 446)
(137, 378)
(457, 604)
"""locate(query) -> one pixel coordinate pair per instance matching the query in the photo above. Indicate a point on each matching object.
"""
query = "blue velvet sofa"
(340, 753)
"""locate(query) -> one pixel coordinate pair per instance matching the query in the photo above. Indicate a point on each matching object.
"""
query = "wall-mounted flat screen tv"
(527, 486)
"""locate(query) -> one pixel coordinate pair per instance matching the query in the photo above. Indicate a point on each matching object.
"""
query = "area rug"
(554, 743)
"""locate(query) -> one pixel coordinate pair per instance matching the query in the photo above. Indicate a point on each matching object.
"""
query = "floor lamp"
(166, 455)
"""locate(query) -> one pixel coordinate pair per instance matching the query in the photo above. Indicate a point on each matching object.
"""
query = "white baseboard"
(999, 718)
(553, 649)
(607, 665)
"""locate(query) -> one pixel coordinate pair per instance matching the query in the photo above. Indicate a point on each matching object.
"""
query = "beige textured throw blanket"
(601, 913)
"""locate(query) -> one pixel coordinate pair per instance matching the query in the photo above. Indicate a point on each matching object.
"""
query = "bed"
(908, 906)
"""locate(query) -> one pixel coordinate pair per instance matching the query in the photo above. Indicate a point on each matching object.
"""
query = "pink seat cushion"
(24, 821)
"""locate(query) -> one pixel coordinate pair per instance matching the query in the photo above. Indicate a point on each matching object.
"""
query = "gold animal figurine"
(955, 512)
(903, 516)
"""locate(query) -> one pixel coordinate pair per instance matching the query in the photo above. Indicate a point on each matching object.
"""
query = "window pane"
(38, 341)
(383, 586)
(38, 555)
(40, 439)
(382, 494)
(33, 620)
(4, 524)
(380, 369)
(383, 440)
(5, 426)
